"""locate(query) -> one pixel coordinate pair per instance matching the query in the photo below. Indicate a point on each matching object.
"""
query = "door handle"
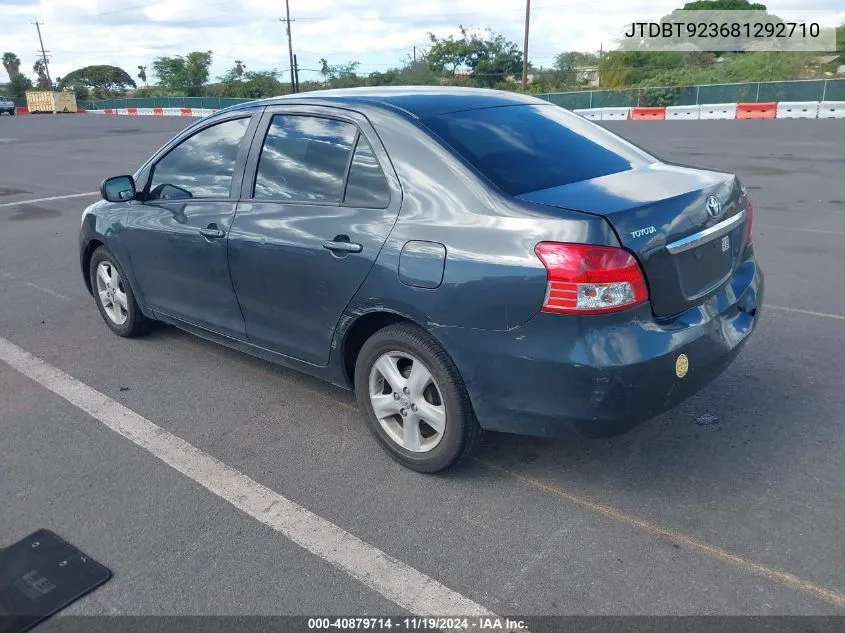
(212, 233)
(342, 247)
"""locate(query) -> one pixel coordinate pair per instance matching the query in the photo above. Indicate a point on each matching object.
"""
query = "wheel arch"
(362, 327)
(85, 261)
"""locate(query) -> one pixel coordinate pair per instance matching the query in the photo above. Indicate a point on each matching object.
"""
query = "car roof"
(420, 102)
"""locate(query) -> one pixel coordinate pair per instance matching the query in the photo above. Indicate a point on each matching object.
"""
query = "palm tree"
(239, 68)
(142, 74)
(40, 69)
(12, 64)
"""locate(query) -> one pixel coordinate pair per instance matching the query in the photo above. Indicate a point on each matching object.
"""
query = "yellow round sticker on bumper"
(681, 366)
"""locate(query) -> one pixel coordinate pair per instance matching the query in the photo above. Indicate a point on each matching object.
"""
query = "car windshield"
(532, 147)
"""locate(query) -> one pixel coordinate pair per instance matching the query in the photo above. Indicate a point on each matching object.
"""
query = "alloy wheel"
(407, 401)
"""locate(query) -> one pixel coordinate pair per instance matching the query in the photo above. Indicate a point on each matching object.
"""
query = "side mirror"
(118, 189)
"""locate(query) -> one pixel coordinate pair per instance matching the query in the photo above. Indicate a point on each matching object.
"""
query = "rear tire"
(114, 297)
(425, 420)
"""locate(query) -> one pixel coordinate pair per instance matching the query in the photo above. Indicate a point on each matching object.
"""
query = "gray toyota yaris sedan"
(464, 259)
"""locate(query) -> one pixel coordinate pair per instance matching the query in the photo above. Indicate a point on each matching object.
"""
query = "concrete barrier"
(593, 114)
(832, 110)
(797, 110)
(746, 111)
(615, 114)
(683, 113)
(717, 111)
(642, 113)
(21, 110)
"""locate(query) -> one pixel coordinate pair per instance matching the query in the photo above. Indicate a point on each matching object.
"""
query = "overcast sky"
(377, 33)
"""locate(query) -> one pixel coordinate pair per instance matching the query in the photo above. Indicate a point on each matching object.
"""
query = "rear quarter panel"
(491, 278)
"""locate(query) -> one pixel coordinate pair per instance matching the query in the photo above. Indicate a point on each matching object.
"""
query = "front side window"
(202, 165)
(304, 158)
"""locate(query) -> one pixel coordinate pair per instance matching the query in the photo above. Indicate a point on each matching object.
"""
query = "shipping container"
(44, 101)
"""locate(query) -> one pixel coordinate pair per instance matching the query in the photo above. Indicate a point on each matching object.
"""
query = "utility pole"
(525, 45)
(296, 72)
(43, 53)
(287, 21)
(415, 54)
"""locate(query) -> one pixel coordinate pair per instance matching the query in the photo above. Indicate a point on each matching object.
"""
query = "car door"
(319, 199)
(176, 235)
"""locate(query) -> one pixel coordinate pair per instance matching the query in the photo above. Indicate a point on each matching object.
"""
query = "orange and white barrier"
(747, 111)
(713, 111)
(187, 112)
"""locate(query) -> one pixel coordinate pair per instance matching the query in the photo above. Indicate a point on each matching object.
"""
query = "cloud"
(377, 33)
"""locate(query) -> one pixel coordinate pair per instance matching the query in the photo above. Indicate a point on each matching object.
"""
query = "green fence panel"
(614, 98)
(571, 100)
(809, 90)
(791, 91)
(834, 90)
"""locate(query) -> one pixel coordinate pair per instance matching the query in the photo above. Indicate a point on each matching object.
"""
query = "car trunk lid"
(687, 244)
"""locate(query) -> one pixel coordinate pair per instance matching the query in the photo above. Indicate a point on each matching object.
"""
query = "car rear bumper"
(598, 376)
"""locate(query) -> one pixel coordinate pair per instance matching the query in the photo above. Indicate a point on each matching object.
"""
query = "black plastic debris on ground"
(41, 575)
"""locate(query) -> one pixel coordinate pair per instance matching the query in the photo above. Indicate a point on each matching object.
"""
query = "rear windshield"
(532, 147)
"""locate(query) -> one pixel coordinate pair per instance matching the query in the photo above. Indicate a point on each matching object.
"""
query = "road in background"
(739, 516)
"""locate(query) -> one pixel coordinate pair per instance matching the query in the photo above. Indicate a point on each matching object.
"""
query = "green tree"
(18, 85)
(12, 64)
(142, 74)
(40, 69)
(184, 74)
(239, 68)
(569, 61)
(102, 81)
(724, 5)
(491, 57)
(340, 75)
(250, 85)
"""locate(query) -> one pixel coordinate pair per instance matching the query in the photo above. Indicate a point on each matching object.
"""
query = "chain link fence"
(808, 90)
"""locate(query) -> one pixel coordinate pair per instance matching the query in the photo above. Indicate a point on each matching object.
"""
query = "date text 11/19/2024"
(483, 623)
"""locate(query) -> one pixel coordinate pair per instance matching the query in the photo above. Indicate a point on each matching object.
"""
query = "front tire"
(414, 400)
(114, 297)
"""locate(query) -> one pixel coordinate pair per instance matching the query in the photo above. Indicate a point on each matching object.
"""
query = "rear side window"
(532, 147)
(304, 158)
(367, 186)
(202, 165)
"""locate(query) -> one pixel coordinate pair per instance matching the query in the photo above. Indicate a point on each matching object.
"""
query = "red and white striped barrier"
(188, 112)
(712, 111)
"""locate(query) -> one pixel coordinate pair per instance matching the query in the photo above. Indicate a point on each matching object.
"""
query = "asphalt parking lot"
(743, 515)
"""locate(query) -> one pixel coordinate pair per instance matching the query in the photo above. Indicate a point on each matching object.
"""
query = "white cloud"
(377, 33)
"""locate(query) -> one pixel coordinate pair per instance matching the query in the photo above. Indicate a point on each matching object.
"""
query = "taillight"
(587, 279)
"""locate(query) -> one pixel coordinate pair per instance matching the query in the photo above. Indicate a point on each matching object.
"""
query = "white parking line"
(70, 195)
(48, 291)
(401, 584)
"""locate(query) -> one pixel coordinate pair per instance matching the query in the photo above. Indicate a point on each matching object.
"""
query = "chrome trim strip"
(697, 239)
